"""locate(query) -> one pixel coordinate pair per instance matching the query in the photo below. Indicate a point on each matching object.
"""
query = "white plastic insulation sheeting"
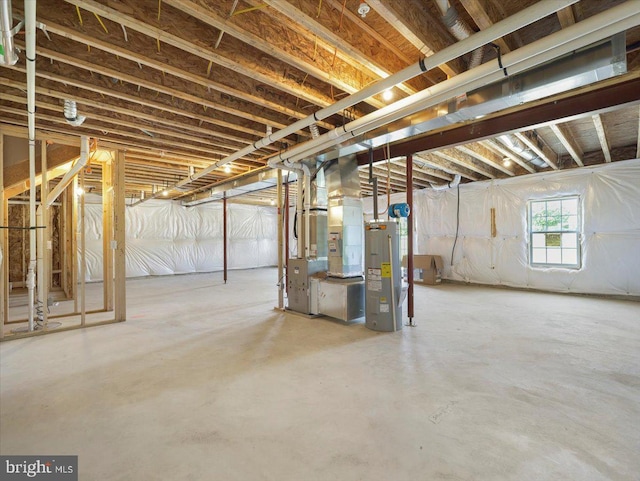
(165, 238)
(610, 199)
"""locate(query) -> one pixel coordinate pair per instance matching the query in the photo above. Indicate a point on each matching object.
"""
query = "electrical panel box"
(383, 276)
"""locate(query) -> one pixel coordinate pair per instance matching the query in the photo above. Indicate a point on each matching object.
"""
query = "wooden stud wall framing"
(107, 234)
(4, 274)
(72, 217)
(119, 208)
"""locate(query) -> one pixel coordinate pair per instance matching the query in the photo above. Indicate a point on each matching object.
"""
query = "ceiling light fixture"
(506, 162)
(227, 169)
(165, 192)
(387, 95)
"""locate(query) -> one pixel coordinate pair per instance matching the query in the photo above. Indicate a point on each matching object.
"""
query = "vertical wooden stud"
(119, 208)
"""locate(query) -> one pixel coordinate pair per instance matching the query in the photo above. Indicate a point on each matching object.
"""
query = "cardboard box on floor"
(427, 269)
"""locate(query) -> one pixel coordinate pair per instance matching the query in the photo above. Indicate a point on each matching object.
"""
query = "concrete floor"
(207, 382)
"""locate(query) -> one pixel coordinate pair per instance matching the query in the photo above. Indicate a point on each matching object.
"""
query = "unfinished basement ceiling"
(182, 84)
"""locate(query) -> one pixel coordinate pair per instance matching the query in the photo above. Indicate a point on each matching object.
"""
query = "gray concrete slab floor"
(205, 381)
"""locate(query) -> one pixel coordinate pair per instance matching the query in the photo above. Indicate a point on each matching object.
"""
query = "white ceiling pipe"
(68, 177)
(30, 33)
(454, 183)
(10, 57)
(596, 28)
(525, 17)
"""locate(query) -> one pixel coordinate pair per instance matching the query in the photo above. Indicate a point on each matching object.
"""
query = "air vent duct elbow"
(454, 183)
(71, 113)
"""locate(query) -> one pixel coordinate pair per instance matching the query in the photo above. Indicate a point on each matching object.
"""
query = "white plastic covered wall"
(164, 237)
(610, 197)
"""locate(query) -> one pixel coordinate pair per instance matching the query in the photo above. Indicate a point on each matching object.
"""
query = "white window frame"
(577, 231)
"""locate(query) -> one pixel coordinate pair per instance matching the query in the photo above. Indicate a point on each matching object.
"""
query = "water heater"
(383, 279)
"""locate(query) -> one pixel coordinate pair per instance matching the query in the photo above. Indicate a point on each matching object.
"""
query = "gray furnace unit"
(384, 291)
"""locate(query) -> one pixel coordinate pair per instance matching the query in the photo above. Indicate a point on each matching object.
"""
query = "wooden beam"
(638, 140)
(539, 146)
(121, 75)
(566, 17)
(108, 194)
(161, 136)
(500, 149)
(602, 136)
(256, 71)
(477, 10)
(167, 68)
(420, 28)
(444, 165)
(101, 93)
(569, 142)
(460, 159)
(478, 151)
(120, 271)
(351, 64)
(4, 248)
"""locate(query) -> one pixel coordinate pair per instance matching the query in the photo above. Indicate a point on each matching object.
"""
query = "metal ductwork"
(8, 52)
(71, 113)
(582, 67)
(460, 30)
(516, 146)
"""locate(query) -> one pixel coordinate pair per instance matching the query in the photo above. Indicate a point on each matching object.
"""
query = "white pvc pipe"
(68, 177)
(560, 43)
(6, 35)
(30, 33)
(514, 22)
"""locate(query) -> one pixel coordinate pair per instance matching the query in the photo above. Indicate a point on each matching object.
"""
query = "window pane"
(539, 256)
(570, 206)
(539, 223)
(570, 222)
(570, 240)
(552, 240)
(537, 207)
(554, 256)
(538, 240)
(570, 256)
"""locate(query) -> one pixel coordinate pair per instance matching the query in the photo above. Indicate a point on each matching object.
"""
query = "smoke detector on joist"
(363, 9)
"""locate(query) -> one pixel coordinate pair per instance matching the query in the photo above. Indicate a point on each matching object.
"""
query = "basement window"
(554, 230)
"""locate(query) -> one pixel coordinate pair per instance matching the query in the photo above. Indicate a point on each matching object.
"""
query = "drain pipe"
(68, 177)
(30, 31)
(504, 27)
(8, 55)
(459, 29)
(303, 203)
(593, 29)
(454, 183)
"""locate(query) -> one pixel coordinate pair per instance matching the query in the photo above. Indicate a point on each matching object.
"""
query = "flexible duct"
(71, 113)
(514, 22)
(315, 132)
(521, 150)
(454, 183)
(460, 30)
(8, 55)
